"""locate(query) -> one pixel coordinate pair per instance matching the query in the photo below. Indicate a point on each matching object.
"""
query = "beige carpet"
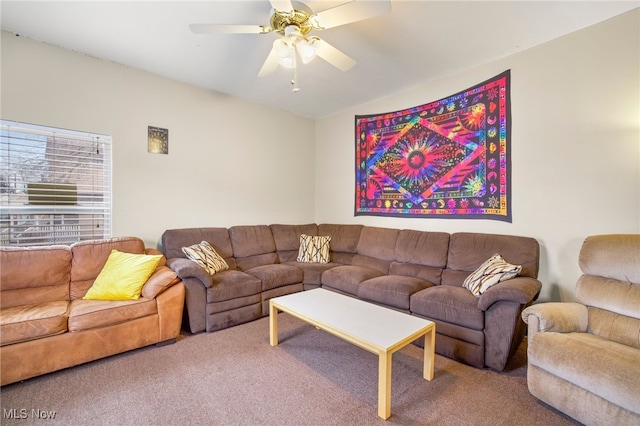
(234, 377)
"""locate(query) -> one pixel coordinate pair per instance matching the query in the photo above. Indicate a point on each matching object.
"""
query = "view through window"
(55, 185)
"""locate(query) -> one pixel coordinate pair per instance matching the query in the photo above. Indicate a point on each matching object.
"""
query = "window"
(55, 185)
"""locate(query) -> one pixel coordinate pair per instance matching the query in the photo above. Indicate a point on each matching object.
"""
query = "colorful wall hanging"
(446, 159)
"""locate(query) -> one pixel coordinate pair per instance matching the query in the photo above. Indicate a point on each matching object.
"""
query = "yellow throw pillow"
(123, 276)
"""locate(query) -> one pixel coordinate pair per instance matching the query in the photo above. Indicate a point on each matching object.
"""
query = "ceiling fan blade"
(228, 29)
(282, 5)
(351, 12)
(270, 64)
(333, 55)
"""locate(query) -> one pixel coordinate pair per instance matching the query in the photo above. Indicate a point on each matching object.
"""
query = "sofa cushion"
(251, 240)
(347, 278)
(29, 322)
(276, 275)
(378, 243)
(391, 290)
(287, 237)
(491, 272)
(469, 250)
(88, 314)
(174, 239)
(122, 276)
(314, 249)
(606, 368)
(379, 265)
(312, 272)
(90, 256)
(454, 305)
(427, 273)
(344, 238)
(253, 246)
(611, 256)
(206, 256)
(23, 284)
(422, 248)
(232, 284)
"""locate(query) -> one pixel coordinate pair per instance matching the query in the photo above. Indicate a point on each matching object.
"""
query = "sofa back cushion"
(468, 250)
(287, 239)
(89, 257)
(174, 239)
(344, 241)
(32, 275)
(253, 246)
(420, 254)
(376, 248)
(610, 286)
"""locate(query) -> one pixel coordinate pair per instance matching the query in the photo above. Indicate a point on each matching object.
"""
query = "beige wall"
(230, 162)
(575, 144)
(575, 147)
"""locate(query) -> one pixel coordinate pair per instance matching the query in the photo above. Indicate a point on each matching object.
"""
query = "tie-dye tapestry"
(445, 159)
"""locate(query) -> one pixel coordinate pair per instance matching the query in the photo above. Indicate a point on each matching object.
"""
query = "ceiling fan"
(294, 21)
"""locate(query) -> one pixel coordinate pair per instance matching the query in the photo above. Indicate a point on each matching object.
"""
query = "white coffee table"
(377, 329)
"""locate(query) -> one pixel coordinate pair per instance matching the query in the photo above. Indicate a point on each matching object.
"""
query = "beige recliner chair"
(584, 356)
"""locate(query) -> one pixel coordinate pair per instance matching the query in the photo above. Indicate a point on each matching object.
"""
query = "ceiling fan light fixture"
(288, 62)
(294, 21)
(305, 49)
(282, 48)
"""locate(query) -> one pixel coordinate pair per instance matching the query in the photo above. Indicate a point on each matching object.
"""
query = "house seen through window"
(55, 185)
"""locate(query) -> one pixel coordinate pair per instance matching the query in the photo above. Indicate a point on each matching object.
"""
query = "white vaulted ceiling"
(416, 42)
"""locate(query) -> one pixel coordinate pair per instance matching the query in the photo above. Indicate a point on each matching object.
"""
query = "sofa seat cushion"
(312, 272)
(29, 322)
(88, 314)
(604, 367)
(391, 290)
(276, 275)
(347, 278)
(232, 284)
(454, 305)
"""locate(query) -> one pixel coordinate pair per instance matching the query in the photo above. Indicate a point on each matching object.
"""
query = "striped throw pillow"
(314, 249)
(206, 256)
(491, 272)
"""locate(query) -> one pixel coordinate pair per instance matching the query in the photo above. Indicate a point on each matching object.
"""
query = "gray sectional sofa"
(418, 272)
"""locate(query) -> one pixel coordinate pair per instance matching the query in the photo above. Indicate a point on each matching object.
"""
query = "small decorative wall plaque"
(158, 140)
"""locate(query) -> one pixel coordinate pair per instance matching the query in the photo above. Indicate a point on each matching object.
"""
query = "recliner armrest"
(522, 290)
(561, 317)
(186, 268)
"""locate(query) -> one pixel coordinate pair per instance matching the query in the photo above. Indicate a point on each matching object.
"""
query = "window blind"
(55, 185)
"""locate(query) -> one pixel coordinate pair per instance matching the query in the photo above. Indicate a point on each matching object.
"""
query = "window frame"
(55, 185)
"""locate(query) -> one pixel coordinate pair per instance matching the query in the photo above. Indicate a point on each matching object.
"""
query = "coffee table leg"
(384, 384)
(429, 353)
(273, 325)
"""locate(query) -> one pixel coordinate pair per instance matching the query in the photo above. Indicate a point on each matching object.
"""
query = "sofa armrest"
(562, 317)
(152, 251)
(186, 268)
(159, 281)
(170, 308)
(521, 290)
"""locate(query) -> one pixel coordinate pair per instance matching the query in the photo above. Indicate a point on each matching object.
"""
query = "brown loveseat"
(45, 323)
(418, 272)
